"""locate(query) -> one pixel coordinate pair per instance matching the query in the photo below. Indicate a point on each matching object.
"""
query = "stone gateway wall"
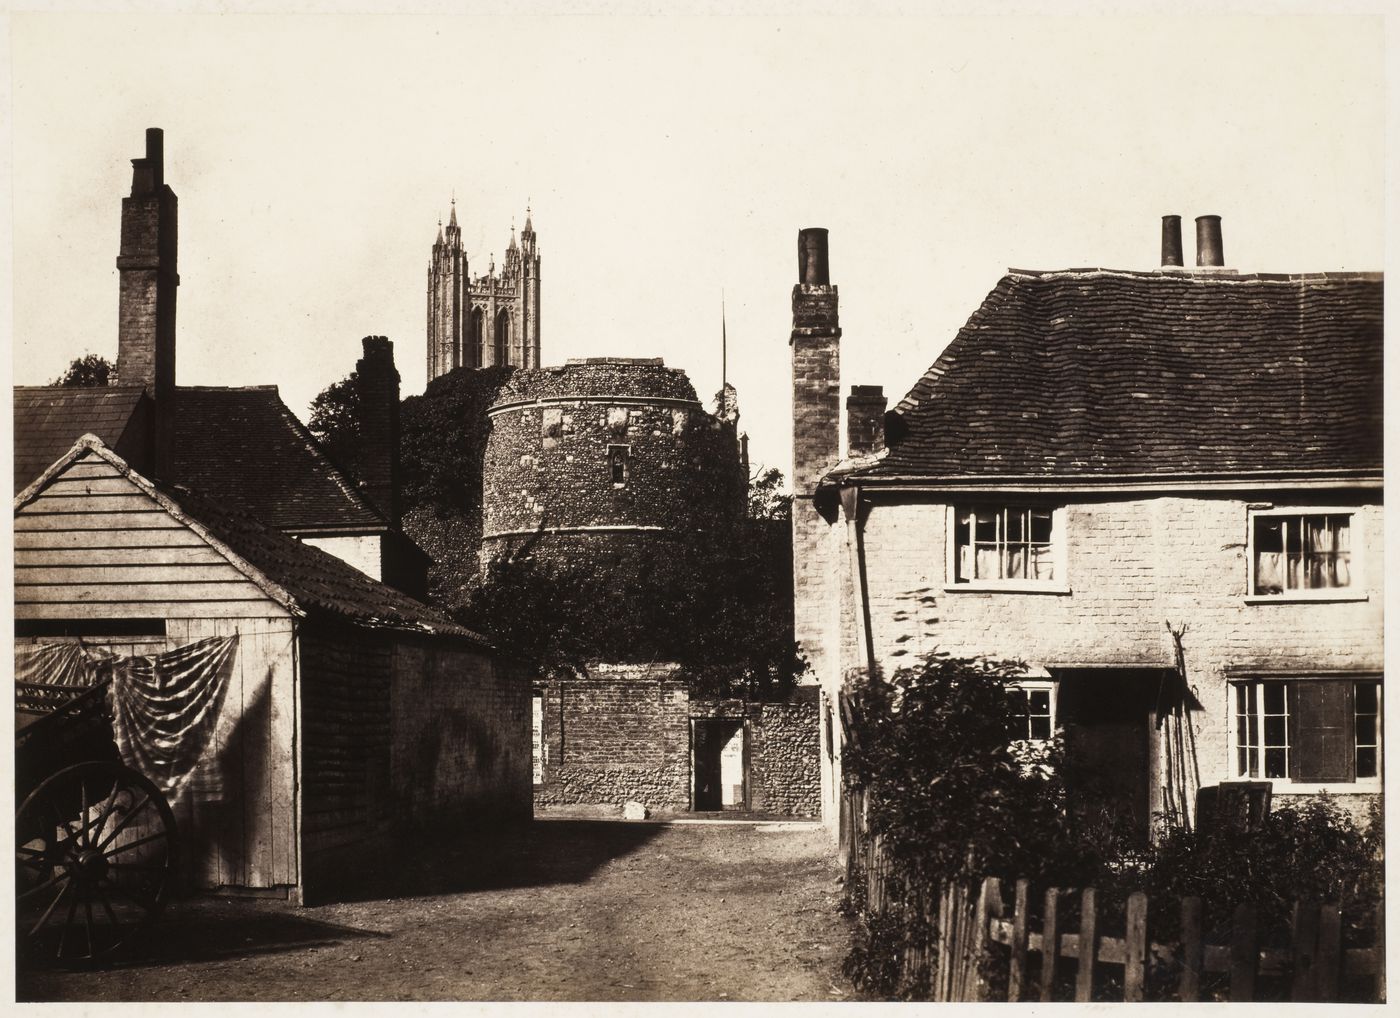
(623, 733)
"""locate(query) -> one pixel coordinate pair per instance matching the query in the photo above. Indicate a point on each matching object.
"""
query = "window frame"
(1288, 785)
(1034, 685)
(1355, 591)
(626, 463)
(1058, 546)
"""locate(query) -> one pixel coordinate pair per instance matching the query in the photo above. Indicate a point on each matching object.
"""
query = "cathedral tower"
(492, 319)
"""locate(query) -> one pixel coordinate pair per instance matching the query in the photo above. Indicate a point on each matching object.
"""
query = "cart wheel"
(95, 859)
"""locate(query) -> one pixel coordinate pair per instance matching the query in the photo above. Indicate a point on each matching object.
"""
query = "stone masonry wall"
(1132, 563)
(547, 457)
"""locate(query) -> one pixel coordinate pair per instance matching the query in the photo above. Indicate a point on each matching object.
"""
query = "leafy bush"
(85, 371)
(954, 799)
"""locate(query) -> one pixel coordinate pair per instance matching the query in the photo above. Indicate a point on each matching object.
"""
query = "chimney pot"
(1210, 249)
(1171, 241)
(812, 266)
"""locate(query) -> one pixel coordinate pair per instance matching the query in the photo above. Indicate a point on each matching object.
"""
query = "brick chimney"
(146, 309)
(865, 420)
(816, 365)
(378, 466)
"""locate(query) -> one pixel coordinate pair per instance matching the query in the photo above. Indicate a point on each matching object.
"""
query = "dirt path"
(565, 910)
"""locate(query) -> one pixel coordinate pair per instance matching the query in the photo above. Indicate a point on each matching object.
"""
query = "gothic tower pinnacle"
(492, 319)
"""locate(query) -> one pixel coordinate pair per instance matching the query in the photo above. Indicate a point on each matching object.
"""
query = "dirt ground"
(558, 910)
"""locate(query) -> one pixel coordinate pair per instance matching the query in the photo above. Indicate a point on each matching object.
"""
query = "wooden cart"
(95, 840)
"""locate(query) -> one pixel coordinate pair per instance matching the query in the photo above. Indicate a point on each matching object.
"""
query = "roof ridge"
(227, 388)
(1200, 275)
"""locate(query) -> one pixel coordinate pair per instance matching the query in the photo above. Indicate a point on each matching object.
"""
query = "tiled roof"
(1096, 373)
(48, 419)
(244, 448)
(317, 581)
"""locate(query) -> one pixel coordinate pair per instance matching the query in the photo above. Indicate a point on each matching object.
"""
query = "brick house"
(1096, 454)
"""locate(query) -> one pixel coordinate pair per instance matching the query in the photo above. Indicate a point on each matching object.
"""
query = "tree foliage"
(335, 419)
(89, 370)
(722, 610)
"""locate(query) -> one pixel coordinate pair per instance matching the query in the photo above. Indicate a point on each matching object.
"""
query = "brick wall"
(460, 735)
(1132, 564)
(623, 733)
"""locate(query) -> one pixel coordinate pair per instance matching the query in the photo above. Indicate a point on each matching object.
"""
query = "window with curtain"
(1005, 543)
(1301, 552)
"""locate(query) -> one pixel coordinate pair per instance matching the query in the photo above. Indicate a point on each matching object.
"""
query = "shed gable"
(91, 543)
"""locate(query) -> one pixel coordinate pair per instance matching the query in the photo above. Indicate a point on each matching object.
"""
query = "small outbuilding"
(337, 715)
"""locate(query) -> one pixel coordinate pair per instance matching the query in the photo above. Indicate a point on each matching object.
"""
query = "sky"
(669, 163)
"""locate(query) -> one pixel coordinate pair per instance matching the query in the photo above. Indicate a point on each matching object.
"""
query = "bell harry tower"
(490, 320)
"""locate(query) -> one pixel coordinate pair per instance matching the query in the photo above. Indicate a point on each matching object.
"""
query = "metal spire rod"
(723, 346)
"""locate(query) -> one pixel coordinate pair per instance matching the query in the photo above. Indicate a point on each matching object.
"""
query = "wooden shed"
(350, 714)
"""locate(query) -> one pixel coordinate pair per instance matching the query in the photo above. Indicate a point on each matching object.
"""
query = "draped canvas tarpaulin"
(60, 664)
(164, 706)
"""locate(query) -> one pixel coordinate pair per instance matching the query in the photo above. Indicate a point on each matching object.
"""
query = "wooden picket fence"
(960, 964)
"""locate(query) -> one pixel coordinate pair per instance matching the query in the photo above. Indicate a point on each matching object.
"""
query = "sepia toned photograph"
(581, 504)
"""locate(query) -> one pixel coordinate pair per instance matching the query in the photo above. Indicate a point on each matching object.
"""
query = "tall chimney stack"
(378, 465)
(1171, 242)
(147, 265)
(1210, 249)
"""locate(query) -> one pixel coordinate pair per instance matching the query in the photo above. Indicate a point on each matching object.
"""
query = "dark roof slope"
(49, 418)
(1092, 373)
(243, 448)
(318, 582)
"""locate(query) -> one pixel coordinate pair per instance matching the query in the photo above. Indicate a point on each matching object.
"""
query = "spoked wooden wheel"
(95, 859)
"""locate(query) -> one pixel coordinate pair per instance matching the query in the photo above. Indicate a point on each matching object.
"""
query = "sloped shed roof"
(1096, 374)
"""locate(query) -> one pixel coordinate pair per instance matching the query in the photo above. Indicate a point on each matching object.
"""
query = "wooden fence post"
(1088, 946)
(1304, 951)
(1050, 944)
(1016, 982)
(1379, 951)
(1192, 950)
(1135, 948)
(988, 908)
(1244, 955)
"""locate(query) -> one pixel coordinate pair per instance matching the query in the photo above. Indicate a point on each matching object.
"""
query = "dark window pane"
(1274, 763)
(1040, 701)
(1254, 763)
(1366, 697)
(1040, 527)
(986, 526)
(1040, 728)
(1268, 534)
(1275, 696)
(1366, 729)
(1274, 732)
(1243, 762)
(1016, 525)
(1366, 762)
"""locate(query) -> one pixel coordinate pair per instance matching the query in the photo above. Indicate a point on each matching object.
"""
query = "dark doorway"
(1106, 717)
(720, 764)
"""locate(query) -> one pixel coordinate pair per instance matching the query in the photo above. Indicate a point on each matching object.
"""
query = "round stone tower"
(606, 458)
